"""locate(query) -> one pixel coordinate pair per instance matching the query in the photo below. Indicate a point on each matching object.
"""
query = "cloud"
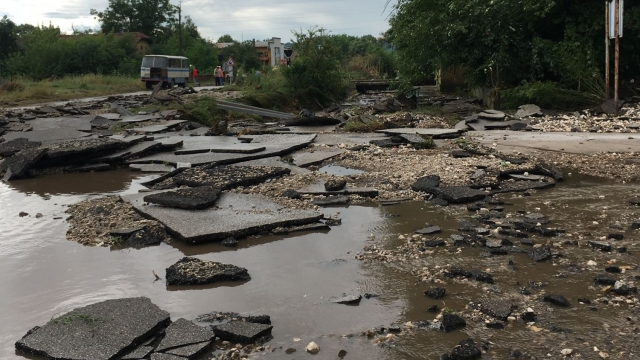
(248, 19)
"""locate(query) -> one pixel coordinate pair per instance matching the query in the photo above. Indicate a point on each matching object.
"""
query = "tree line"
(509, 43)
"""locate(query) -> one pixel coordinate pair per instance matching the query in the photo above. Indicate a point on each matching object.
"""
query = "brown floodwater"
(293, 277)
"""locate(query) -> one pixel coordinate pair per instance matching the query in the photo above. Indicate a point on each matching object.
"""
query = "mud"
(305, 270)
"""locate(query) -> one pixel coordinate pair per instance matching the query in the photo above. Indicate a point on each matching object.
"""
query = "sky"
(242, 19)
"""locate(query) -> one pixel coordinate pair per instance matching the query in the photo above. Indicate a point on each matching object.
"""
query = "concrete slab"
(96, 331)
(47, 136)
(237, 215)
(304, 159)
(77, 123)
(130, 140)
(109, 116)
(318, 189)
(190, 351)
(434, 133)
(276, 145)
(222, 177)
(576, 143)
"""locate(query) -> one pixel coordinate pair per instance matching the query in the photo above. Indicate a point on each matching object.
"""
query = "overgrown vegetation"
(74, 317)
(202, 110)
(537, 46)
(24, 91)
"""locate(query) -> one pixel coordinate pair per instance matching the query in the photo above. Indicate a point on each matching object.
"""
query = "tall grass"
(24, 91)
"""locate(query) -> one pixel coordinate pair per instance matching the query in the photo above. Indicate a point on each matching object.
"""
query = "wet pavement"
(294, 277)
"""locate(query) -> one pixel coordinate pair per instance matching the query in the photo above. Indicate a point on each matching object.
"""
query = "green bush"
(203, 110)
(314, 77)
(549, 95)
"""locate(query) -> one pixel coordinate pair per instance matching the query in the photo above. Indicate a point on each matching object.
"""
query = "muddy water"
(294, 276)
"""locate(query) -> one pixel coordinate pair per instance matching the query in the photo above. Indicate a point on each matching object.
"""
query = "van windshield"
(154, 61)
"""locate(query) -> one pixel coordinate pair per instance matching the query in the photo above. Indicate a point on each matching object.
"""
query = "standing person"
(194, 74)
(215, 75)
(219, 76)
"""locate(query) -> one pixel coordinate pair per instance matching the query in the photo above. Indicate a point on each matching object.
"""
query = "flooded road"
(294, 277)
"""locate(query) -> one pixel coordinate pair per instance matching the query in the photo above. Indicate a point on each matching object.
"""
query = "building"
(270, 52)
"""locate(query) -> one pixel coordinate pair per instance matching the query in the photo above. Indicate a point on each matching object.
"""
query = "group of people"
(218, 73)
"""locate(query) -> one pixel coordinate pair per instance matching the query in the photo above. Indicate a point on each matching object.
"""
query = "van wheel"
(172, 84)
(148, 85)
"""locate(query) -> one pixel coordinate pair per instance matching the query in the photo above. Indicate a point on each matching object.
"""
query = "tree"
(8, 38)
(244, 54)
(150, 17)
(225, 39)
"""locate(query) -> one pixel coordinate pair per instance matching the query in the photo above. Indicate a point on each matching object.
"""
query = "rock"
(230, 242)
(466, 350)
(434, 243)
(150, 235)
(290, 351)
(342, 354)
(528, 110)
(566, 352)
(634, 201)
(460, 154)
(528, 316)
(613, 269)
(12, 147)
(603, 279)
(452, 322)
(429, 230)
(96, 331)
(190, 199)
(600, 246)
(492, 115)
(540, 254)
(436, 293)
(182, 333)
(192, 271)
(635, 225)
(17, 166)
(557, 300)
(495, 325)
(348, 300)
(242, 332)
(426, 184)
(331, 200)
(460, 194)
(312, 348)
(229, 316)
(499, 309)
(335, 184)
(616, 236)
(291, 194)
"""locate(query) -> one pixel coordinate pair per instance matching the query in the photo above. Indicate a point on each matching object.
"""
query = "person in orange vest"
(194, 75)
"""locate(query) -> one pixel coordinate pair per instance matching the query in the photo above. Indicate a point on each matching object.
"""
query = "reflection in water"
(339, 170)
(293, 276)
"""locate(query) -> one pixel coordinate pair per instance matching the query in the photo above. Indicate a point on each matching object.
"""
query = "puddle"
(339, 170)
(293, 277)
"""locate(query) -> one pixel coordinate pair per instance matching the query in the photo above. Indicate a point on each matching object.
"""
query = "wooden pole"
(607, 69)
(180, 28)
(617, 60)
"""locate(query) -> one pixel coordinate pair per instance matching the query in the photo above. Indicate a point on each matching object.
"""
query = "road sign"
(230, 62)
(612, 19)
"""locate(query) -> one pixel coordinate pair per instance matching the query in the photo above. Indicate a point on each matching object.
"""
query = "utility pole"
(617, 65)
(180, 27)
(606, 45)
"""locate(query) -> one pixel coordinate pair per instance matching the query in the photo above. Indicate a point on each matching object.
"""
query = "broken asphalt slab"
(192, 271)
(319, 189)
(160, 127)
(276, 145)
(224, 177)
(237, 215)
(182, 333)
(151, 168)
(17, 166)
(304, 159)
(47, 136)
(242, 332)
(11, 147)
(190, 199)
(82, 123)
(99, 331)
(433, 133)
